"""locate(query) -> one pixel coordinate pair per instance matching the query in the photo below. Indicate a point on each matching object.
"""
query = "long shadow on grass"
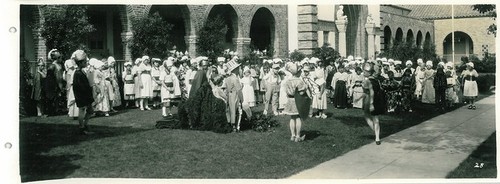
(38, 138)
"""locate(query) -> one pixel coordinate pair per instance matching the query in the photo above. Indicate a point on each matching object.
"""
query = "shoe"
(473, 107)
(276, 113)
(264, 113)
(147, 108)
(317, 116)
(378, 142)
(324, 116)
(292, 138)
(142, 109)
(106, 114)
(310, 115)
(470, 107)
(410, 110)
(170, 114)
(299, 139)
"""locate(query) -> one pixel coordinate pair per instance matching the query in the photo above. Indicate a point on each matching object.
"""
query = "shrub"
(67, 29)
(484, 82)
(297, 56)
(486, 65)
(409, 51)
(151, 36)
(211, 37)
(262, 123)
(326, 54)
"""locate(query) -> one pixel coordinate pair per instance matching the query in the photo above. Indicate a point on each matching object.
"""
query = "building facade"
(256, 25)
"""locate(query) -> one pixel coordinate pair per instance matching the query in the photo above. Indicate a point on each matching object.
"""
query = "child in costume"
(248, 92)
(128, 83)
(156, 83)
(295, 86)
(469, 77)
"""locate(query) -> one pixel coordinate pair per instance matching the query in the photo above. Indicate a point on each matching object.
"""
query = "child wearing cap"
(117, 99)
(83, 92)
(356, 90)
(419, 78)
(102, 98)
(146, 89)
(37, 93)
(137, 81)
(272, 81)
(156, 83)
(70, 66)
(128, 84)
(295, 86)
(248, 92)
(469, 77)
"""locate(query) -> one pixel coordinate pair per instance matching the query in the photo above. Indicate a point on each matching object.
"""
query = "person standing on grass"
(38, 92)
(469, 77)
(234, 93)
(339, 84)
(296, 91)
(272, 82)
(428, 92)
(70, 66)
(137, 81)
(440, 86)
(144, 71)
(117, 100)
(128, 84)
(156, 83)
(83, 92)
(373, 100)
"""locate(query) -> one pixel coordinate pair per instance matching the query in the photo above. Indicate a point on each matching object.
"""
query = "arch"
(109, 23)
(427, 39)
(419, 39)
(399, 35)
(409, 36)
(356, 36)
(263, 29)
(387, 37)
(178, 16)
(228, 13)
(464, 46)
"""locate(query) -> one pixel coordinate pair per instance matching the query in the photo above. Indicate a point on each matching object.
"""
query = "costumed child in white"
(70, 66)
(248, 92)
(128, 83)
(156, 84)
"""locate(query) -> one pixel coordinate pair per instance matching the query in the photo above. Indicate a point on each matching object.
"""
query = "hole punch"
(8, 145)
(12, 30)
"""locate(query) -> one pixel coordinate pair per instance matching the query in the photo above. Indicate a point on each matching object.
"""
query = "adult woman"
(356, 90)
(144, 71)
(373, 100)
(469, 77)
(428, 92)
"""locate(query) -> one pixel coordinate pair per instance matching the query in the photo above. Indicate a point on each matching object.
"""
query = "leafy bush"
(484, 82)
(262, 123)
(409, 51)
(297, 56)
(151, 36)
(486, 65)
(211, 37)
(66, 29)
(326, 54)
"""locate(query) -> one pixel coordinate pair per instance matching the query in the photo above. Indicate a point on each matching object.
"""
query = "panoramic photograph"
(257, 91)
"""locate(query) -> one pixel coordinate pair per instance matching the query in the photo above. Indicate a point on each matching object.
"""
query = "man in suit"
(83, 92)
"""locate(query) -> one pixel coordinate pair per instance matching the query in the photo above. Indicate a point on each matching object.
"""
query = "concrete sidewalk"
(429, 150)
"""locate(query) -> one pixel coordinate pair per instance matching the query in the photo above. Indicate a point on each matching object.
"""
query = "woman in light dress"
(248, 92)
(469, 77)
(146, 83)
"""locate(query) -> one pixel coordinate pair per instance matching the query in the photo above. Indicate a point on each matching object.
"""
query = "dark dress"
(407, 89)
(82, 89)
(379, 99)
(202, 110)
(440, 85)
(340, 94)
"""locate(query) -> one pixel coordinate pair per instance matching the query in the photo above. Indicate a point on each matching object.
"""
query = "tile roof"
(441, 11)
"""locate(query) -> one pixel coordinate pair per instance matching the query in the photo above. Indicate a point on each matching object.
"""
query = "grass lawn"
(126, 145)
(482, 163)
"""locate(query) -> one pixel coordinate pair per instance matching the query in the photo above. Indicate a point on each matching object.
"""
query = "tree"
(151, 36)
(489, 10)
(65, 28)
(212, 36)
(297, 56)
(409, 51)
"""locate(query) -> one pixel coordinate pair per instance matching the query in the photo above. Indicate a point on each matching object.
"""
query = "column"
(378, 44)
(341, 27)
(243, 46)
(331, 39)
(191, 45)
(307, 28)
(127, 54)
(321, 39)
(370, 30)
(109, 33)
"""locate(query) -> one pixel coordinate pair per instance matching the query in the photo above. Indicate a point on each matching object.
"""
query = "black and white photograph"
(289, 92)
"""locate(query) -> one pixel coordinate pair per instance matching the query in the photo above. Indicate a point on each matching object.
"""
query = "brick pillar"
(308, 28)
(321, 40)
(191, 45)
(127, 54)
(370, 30)
(341, 27)
(242, 46)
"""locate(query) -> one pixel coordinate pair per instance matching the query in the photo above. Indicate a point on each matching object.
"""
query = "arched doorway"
(387, 38)
(262, 30)
(427, 40)
(178, 16)
(419, 39)
(106, 39)
(356, 36)
(230, 17)
(409, 36)
(399, 35)
(464, 46)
